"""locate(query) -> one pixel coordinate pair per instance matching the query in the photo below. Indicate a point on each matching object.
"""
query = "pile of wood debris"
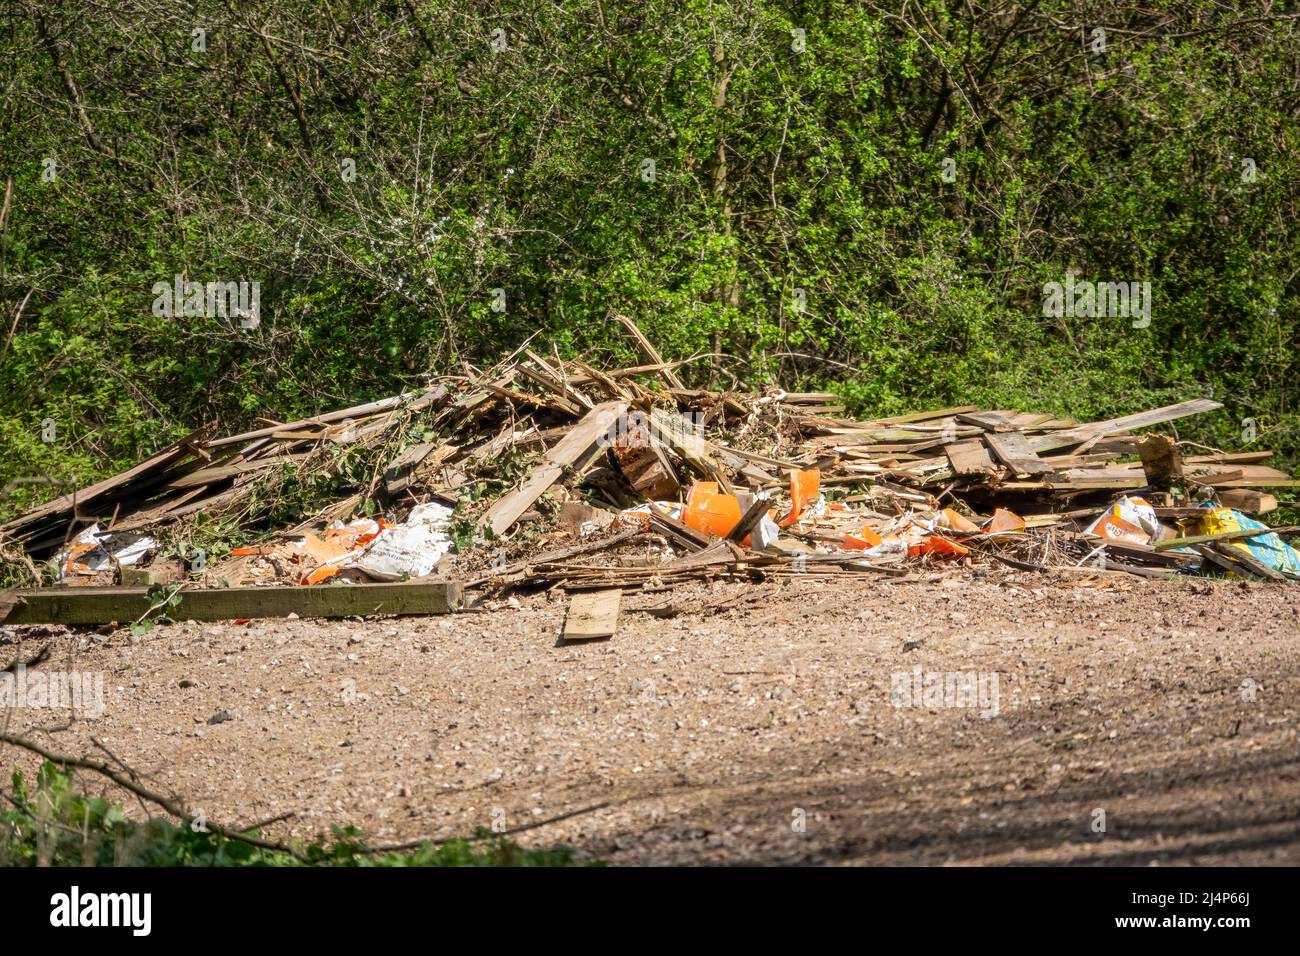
(542, 471)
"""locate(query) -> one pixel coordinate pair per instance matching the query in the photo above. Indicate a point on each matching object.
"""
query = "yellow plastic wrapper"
(1268, 549)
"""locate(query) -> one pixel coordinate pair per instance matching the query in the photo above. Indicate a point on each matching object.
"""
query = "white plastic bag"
(412, 549)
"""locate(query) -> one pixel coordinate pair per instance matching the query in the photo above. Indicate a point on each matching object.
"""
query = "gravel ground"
(776, 727)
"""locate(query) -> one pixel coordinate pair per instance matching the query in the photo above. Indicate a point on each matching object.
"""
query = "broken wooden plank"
(717, 559)
(103, 605)
(1261, 475)
(1125, 423)
(593, 427)
(561, 394)
(1145, 552)
(922, 416)
(1248, 482)
(593, 614)
(1134, 569)
(1168, 543)
(650, 352)
(416, 460)
(682, 533)
(560, 554)
(1223, 562)
(1155, 416)
(556, 373)
(686, 440)
(207, 476)
(1161, 462)
(407, 401)
(988, 421)
(159, 461)
(607, 384)
(1228, 458)
(1248, 501)
(809, 398)
(969, 458)
(1248, 561)
(1075, 484)
(815, 413)
(516, 397)
(1180, 513)
(1029, 421)
(1236, 562)
(1012, 448)
(749, 520)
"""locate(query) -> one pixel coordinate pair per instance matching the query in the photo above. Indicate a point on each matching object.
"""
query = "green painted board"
(103, 605)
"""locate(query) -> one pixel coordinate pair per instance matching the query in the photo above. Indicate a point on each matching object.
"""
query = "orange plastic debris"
(1116, 528)
(257, 549)
(804, 486)
(633, 519)
(1004, 520)
(357, 534)
(322, 551)
(937, 546)
(75, 554)
(958, 522)
(322, 573)
(861, 540)
(337, 543)
(710, 511)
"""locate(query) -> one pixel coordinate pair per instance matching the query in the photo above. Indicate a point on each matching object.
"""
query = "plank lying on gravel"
(593, 614)
(104, 605)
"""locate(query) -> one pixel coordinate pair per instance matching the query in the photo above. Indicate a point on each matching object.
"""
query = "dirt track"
(708, 738)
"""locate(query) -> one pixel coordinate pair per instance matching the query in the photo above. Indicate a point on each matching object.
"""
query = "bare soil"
(761, 731)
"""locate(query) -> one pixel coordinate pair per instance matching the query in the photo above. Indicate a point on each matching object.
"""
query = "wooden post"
(104, 605)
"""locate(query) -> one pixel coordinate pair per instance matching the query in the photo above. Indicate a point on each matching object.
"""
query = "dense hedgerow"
(873, 204)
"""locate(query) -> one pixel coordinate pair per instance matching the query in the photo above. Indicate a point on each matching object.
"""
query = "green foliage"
(162, 598)
(54, 825)
(463, 532)
(521, 169)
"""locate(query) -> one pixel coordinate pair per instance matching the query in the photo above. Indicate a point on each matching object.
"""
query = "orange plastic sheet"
(861, 540)
(959, 523)
(804, 488)
(325, 552)
(714, 512)
(1004, 520)
(709, 510)
(937, 546)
